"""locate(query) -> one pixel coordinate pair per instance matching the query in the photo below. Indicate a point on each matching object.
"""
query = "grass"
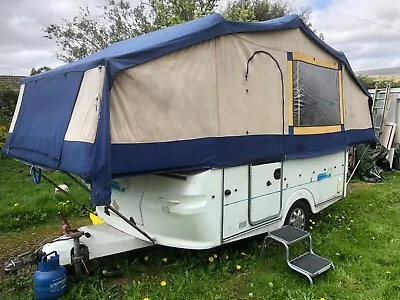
(359, 234)
(24, 203)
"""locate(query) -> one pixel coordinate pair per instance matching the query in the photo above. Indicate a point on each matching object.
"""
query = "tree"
(119, 20)
(262, 10)
(39, 70)
(372, 82)
(166, 13)
(88, 33)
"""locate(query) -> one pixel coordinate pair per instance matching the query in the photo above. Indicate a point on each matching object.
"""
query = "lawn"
(24, 203)
(360, 234)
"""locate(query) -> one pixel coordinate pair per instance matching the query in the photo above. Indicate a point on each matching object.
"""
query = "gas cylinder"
(50, 280)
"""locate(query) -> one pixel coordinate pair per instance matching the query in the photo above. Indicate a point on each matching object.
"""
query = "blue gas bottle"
(50, 280)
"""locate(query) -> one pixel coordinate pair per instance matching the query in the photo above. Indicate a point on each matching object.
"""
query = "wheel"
(298, 215)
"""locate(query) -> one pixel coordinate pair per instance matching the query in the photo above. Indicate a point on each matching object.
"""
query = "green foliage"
(118, 20)
(359, 234)
(166, 13)
(39, 70)
(380, 82)
(261, 10)
(88, 33)
(23, 203)
(3, 136)
(8, 100)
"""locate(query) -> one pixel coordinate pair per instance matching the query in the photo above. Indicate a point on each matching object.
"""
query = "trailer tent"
(209, 93)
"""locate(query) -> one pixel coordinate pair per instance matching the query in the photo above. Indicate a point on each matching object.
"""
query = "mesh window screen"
(315, 95)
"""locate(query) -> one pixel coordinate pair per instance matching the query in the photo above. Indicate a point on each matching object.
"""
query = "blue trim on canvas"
(135, 51)
(196, 154)
(44, 115)
(100, 161)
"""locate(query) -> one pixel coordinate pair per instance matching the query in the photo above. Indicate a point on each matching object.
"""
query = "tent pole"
(355, 168)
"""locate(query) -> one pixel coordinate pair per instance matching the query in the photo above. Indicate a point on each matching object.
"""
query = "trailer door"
(235, 200)
(265, 192)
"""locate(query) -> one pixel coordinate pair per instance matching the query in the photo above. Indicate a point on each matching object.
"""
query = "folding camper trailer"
(197, 135)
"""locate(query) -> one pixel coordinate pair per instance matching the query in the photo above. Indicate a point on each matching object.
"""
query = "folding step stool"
(309, 264)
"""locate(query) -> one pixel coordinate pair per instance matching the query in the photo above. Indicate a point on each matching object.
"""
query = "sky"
(367, 31)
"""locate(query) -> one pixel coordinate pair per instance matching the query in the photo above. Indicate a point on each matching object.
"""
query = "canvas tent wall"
(210, 93)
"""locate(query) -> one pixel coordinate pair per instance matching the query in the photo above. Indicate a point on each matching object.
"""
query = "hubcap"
(298, 218)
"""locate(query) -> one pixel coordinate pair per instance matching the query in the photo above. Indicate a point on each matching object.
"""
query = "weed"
(359, 234)
(24, 203)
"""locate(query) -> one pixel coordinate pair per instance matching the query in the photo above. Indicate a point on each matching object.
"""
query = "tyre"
(298, 215)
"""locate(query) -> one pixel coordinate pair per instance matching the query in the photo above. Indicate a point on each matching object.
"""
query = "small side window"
(315, 95)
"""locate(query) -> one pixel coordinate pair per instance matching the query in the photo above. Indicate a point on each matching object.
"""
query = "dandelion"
(163, 283)
(270, 284)
(238, 267)
(215, 255)
(387, 272)
(226, 256)
(250, 294)
(211, 259)
(322, 299)
(165, 259)
(146, 298)
(16, 204)
(311, 221)
(310, 227)
(146, 258)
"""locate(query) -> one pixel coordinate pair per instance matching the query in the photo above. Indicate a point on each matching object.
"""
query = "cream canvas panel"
(253, 106)
(171, 98)
(17, 108)
(290, 40)
(83, 124)
(356, 110)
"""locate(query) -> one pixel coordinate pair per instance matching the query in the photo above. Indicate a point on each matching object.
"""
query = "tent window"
(316, 99)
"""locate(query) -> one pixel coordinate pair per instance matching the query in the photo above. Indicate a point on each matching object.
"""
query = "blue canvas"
(49, 99)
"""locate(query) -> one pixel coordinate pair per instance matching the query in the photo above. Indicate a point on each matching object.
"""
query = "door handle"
(228, 192)
(269, 183)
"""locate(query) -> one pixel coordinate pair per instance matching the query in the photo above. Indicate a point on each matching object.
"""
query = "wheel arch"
(303, 195)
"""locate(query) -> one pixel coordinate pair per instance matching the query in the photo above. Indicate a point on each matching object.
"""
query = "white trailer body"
(259, 113)
(217, 206)
(214, 207)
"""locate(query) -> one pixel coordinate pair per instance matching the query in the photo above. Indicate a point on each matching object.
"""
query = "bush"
(8, 101)
(3, 135)
(381, 82)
